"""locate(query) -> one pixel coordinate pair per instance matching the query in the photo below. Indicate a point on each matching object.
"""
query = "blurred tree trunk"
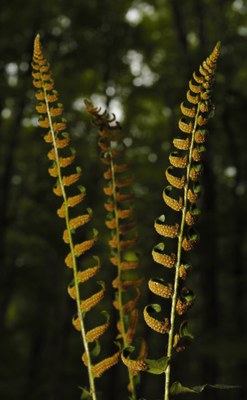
(178, 22)
(49, 346)
(239, 226)
(200, 13)
(7, 273)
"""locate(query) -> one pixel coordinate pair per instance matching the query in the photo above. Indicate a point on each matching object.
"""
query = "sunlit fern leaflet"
(62, 157)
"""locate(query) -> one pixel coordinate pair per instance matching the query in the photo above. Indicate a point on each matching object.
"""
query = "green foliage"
(177, 388)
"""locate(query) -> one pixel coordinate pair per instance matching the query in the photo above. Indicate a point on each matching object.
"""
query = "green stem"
(120, 297)
(178, 262)
(71, 245)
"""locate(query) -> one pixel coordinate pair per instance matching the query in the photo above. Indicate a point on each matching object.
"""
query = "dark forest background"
(135, 57)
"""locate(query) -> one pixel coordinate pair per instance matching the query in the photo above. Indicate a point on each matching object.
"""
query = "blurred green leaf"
(157, 367)
(178, 388)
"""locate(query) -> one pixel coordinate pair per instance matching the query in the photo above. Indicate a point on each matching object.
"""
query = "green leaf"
(201, 148)
(96, 258)
(187, 295)
(65, 135)
(118, 344)
(82, 189)
(90, 211)
(161, 219)
(184, 331)
(96, 350)
(157, 367)
(198, 167)
(85, 394)
(102, 284)
(154, 307)
(177, 388)
(160, 247)
(184, 338)
(197, 187)
(194, 210)
(130, 256)
(193, 234)
(95, 232)
(106, 315)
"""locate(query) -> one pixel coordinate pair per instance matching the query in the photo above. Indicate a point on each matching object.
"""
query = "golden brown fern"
(120, 220)
(181, 195)
(62, 157)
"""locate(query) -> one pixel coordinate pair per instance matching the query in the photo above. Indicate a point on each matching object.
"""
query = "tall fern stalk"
(203, 108)
(183, 177)
(120, 278)
(120, 220)
(51, 112)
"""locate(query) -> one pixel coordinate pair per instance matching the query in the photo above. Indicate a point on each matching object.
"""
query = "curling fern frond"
(62, 157)
(121, 222)
(181, 196)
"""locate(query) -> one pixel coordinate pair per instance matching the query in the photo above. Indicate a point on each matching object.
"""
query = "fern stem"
(179, 253)
(119, 260)
(71, 245)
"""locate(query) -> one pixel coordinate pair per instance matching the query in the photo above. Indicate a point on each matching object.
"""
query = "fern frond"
(158, 287)
(95, 333)
(155, 324)
(134, 365)
(176, 205)
(62, 157)
(92, 301)
(181, 144)
(161, 258)
(163, 229)
(175, 181)
(132, 325)
(121, 222)
(102, 366)
(182, 175)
